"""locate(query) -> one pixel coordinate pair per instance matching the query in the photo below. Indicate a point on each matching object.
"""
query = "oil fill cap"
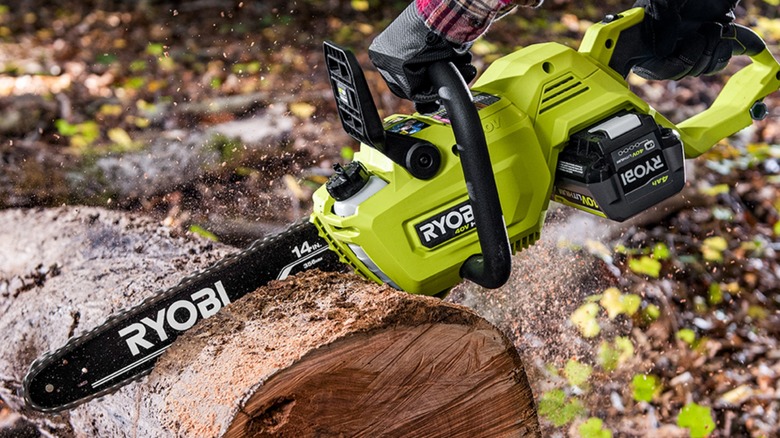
(347, 181)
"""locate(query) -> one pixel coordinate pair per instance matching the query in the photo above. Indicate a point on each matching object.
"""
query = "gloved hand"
(683, 37)
(404, 50)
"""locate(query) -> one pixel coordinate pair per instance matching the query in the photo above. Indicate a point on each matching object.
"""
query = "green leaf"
(106, 58)
(625, 347)
(551, 403)
(200, 231)
(134, 83)
(347, 153)
(66, 129)
(360, 5)
(757, 313)
(645, 387)
(138, 66)
(686, 335)
(712, 248)
(613, 354)
(631, 303)
(715, 190)
(577, 373)
(155, 49)
(594, 428)
(661, 251)
(651, 313)
(715, 294)
(616, 303)
(696, 418)
(120, 137)
(584, 318)
(646, 266)
(608, 356)
(559, 411)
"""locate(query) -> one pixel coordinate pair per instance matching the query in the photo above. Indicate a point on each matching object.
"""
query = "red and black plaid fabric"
(462, 21)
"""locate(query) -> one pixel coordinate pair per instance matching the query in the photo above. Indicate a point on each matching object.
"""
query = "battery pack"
(620, 167)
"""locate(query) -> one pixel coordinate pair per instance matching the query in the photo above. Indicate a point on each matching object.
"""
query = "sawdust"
(549, 281)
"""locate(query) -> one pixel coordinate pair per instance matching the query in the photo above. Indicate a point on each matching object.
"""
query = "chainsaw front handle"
(737, 105)
(741, 99)
(490, 269)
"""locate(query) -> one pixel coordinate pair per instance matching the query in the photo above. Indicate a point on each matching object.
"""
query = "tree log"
(319, 354)
(333, 355)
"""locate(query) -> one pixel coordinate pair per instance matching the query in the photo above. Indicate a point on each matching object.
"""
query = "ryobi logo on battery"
(447, 225)
(639, 173)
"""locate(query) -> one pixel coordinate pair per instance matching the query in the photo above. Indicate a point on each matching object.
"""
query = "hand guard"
(405, 49)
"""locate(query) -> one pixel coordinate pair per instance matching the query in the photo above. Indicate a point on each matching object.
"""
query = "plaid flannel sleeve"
(462, 21)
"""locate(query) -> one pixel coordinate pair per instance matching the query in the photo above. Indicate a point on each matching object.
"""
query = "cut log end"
(429, 380)
(332, 355)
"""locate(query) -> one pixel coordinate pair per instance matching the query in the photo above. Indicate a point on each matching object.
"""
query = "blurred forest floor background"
(216, 118)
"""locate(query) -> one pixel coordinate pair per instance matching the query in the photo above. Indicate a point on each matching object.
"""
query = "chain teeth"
(51, 356)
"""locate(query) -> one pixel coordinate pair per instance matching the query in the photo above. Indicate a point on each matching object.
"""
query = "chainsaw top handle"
(490, 269)
(738, 103)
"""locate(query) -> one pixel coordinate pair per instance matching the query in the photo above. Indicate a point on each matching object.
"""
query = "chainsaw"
(432, 199)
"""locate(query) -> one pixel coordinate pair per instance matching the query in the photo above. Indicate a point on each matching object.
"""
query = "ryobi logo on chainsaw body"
(179, 316)
(447, 225)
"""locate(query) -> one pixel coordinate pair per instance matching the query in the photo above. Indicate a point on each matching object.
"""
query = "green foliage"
(577, 373)
(81, 135)
(558, 409)
(712, 248)
(651, 313)
(106, 58)
(347, 153)
(715, 190)
(613, 354)
(645, 387)
(594, 428)
(696, 418)
(616, 303)
(202, 232)
(155, 49)
(661, 251)
(715, 295)
(134, 83)
(645, 265)
(584, 318)
(757, 313)
(686, 335)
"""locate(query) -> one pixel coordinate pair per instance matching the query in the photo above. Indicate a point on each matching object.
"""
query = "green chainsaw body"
(416, 233)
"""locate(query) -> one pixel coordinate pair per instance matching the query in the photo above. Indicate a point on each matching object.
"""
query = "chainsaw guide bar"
(127, 345)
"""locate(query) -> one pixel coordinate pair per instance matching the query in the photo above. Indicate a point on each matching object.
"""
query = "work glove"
(684, 38)
(405, 49)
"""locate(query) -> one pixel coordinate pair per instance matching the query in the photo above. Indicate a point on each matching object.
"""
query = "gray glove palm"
(405, 49)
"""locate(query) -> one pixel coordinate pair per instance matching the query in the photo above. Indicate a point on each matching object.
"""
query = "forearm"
(463, 21)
